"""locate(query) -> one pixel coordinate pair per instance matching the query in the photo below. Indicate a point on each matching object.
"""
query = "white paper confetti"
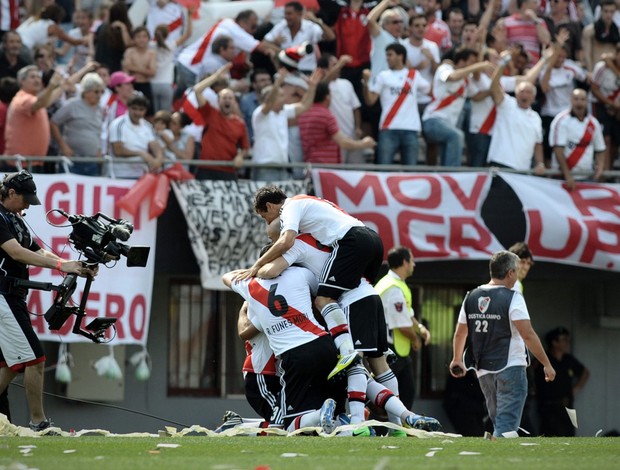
(69, 451)
(436, 448)
(30, 446)
(529, 443)
(465, 452)
(430, 454)
(169, 446)
(292, 454)
(572, 414)
(598, 433)
(390, 447)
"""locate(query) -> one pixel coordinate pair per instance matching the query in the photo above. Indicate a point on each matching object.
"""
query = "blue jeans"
(397, 140)
(185, 78)
(478, 149)
(505, 393)
(451, 139)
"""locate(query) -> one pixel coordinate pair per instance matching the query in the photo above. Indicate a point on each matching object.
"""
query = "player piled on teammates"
(320, 236)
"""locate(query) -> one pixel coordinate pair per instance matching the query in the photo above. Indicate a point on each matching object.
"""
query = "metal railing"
(65, 163)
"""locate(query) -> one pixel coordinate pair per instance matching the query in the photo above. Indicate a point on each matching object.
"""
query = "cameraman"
(20, 348)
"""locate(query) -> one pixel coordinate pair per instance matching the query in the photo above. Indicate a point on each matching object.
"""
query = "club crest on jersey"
(483, 303)
(398, 306)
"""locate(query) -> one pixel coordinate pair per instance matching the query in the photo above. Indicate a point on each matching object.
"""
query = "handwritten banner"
(223, 228)
(118, 291)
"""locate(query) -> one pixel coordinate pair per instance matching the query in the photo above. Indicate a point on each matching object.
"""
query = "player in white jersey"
(332, 227)
(365, 321)
(282, 309)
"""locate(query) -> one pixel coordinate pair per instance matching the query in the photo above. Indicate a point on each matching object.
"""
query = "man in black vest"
(495, 320)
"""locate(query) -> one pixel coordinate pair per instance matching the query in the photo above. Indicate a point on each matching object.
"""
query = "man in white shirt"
(577, 141)
(495, 320)
(167, 12)
(386, 26)
(517, 133)
(422, 54)
(344, 104)
(451, 85)
(240, 30)
(397, 89)
(294, 30)
(270, 124)
(133, 139)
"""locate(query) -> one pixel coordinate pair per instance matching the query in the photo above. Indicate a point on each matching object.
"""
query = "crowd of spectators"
(436, 82)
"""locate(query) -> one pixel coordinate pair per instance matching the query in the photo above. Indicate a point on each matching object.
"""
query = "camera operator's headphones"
(23, 183)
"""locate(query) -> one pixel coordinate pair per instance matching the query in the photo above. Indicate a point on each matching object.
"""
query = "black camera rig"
(96, 237)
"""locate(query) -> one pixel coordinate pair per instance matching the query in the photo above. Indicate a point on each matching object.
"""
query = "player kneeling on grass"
(282, 309)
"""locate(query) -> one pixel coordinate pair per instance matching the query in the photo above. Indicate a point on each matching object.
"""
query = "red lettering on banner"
(458, 240)
(405, 218)
(535, 238)
(588, 196)
(383, 227)
(79, 199)
(331, 183)
(115, 308)
(137, 317)
(433, 200)
(468, 202)
(594, 242)
(54, 217)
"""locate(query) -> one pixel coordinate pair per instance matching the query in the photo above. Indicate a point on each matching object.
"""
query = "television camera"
(97, 238)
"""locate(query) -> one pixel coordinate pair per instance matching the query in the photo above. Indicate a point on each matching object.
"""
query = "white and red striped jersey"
(172, 15)
(282, 308)
(322, 219)
(483, 112)
(415, 57)
(448, 96)
(260, 359)
(562, 84)
(607, 81)
(192, 55)
(580, 139)
(398, 91)
(309, 253)
(9, 15)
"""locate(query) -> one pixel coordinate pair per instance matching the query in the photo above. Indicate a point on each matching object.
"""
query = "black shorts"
(367, 326)
(263, 394)
(611, 126)
(304, 377)
(358, 254)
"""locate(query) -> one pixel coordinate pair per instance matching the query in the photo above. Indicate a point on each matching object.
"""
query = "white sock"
(389, 381)
(338, 328)
(356, 389)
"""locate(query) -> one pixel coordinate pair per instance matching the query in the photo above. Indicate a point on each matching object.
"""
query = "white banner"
(223, 228)
(440, 216)
(436, 215)
(580, 227)
(118, 291)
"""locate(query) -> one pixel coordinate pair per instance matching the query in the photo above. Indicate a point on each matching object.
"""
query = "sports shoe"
(344, 363)
(326, 416)
(362, 432)
(229, 421)
(397, 433)
(425, 423)
(42, 426)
